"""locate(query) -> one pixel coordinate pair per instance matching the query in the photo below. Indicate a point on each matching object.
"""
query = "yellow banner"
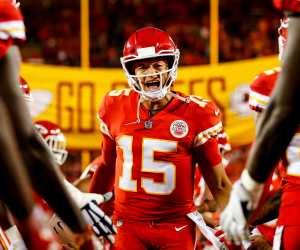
(70, 97)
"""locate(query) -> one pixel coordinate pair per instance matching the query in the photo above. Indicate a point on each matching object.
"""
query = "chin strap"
(181, 98)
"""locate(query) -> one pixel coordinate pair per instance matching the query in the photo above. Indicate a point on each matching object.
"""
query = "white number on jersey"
(149, 165)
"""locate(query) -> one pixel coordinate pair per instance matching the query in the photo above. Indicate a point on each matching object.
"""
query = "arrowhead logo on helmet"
(146, 43)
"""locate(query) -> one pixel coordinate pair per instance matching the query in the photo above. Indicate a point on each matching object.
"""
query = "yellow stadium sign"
(71, 96)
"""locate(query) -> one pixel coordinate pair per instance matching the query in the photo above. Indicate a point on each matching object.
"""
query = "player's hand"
(219, 233)
(102, 224)
(88, 203)
(91, 244)
(223, 244)
(242, 201)
(258, 242)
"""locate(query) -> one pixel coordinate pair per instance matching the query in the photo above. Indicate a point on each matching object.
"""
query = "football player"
(260, 92)
(13, 175)
(56, 142)
(152, 139)
(277, 126)
(88, 202)
(22, 149)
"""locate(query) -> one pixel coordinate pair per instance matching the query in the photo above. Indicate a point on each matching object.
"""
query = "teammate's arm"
(218, 184)
(36, 155)
(279, 122)
(269, 211)
(214, 173)
(103, 179)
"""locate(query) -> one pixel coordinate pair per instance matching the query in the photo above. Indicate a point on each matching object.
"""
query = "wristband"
(248, 182)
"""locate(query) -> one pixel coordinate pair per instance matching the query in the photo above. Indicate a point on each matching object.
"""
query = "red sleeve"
(12, 28)
(259, 92)
(104, 176)
(206, 147)
(103, 179)
(208, 155)
(261, 89)
(259, 85)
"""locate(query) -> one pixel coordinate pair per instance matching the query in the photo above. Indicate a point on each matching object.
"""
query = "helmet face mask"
(54, 138)
(146, 44)
(57, 145)
(162, 77)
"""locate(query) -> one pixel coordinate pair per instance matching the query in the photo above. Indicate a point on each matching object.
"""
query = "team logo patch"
(179, 128)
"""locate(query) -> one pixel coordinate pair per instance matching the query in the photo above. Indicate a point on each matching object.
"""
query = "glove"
(88, 203)
(102, 224)
(244, 198)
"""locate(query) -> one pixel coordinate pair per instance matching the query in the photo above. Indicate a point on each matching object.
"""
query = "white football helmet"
(55, 139)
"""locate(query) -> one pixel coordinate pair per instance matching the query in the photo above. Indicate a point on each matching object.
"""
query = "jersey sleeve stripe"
(13, 29)
(223, 141)
(258, 101)
(205, 135)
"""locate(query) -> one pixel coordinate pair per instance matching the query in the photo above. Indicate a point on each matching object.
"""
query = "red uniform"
(261, 90)
(12, 29)
(153, 162)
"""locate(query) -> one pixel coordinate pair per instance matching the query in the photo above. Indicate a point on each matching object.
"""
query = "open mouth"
(152, 85)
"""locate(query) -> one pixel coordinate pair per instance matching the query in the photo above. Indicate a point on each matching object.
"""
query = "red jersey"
(12, 28)
(154, 161)
(261, 89)
(288, 5)
(260, 92)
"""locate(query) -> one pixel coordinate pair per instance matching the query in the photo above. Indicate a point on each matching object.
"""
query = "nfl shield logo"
(179, 128)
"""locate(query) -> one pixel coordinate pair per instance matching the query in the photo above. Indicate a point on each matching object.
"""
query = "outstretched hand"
(102, 224)
(241, 203)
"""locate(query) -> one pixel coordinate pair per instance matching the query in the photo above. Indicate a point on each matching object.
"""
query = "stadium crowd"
(53, 28)
(166, 171)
